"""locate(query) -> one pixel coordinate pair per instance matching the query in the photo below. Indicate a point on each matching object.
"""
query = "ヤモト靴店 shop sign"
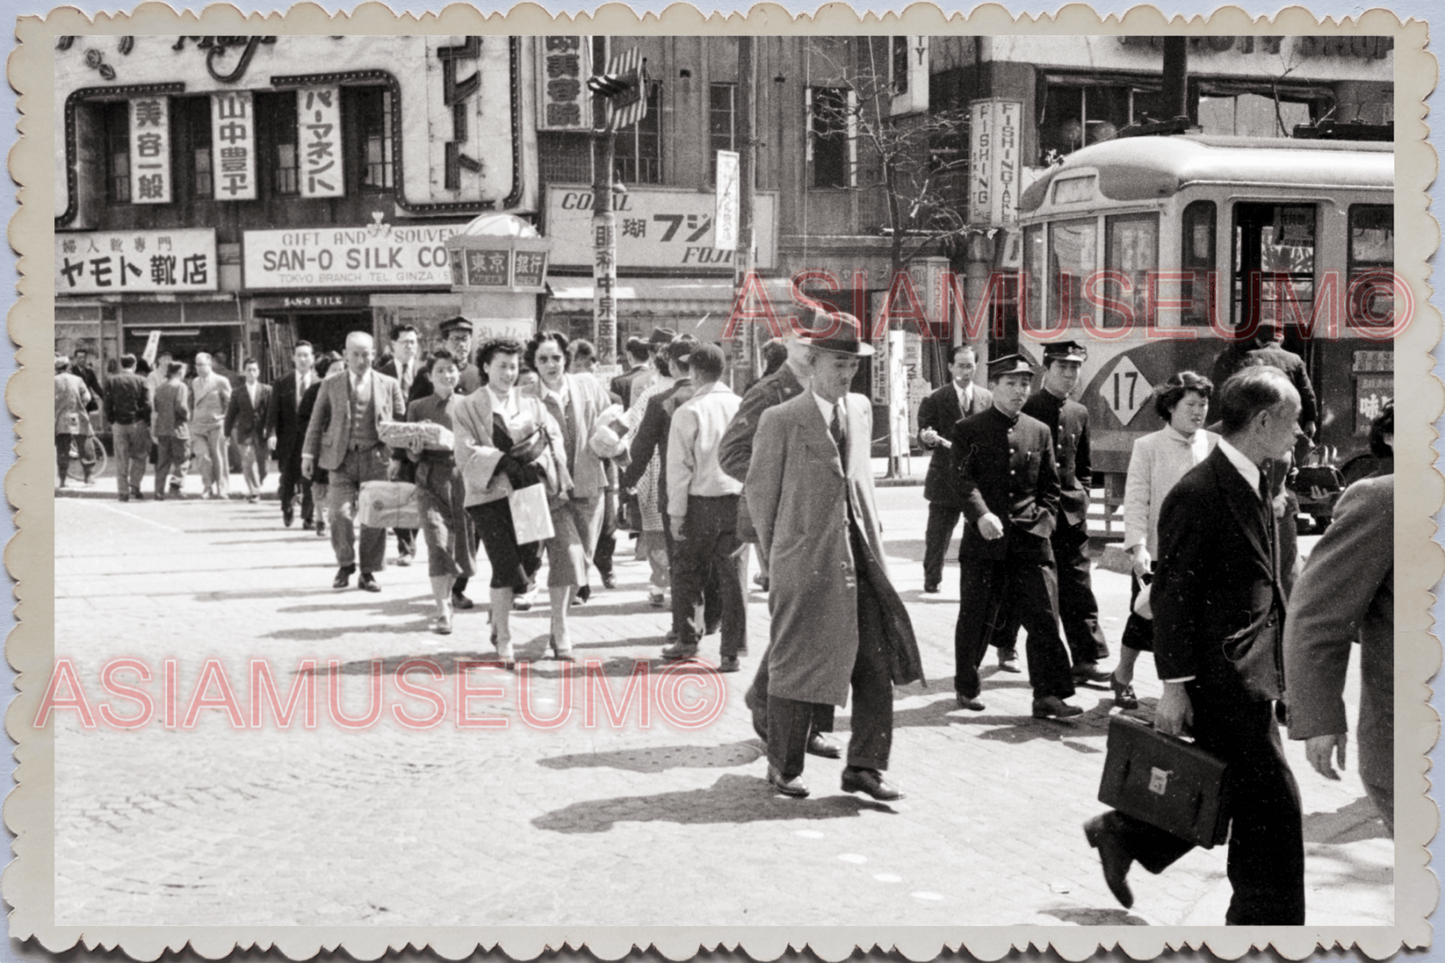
(373, 256)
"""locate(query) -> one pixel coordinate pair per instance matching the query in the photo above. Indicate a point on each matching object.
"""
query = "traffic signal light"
(612, 85)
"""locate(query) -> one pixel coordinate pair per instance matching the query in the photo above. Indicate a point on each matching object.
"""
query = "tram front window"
(1274, 263)
(1073, 258)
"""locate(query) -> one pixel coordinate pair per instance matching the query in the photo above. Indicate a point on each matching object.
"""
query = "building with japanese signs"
(240, 193)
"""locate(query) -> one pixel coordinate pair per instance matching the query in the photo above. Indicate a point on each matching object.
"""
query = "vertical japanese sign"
(563, 101)
(604, 280)
(318, 113)
(995, 171)
(233, 138)
(725, 235)
(150, 150)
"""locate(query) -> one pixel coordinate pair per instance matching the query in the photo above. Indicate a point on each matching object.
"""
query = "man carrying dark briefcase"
(1218, 620)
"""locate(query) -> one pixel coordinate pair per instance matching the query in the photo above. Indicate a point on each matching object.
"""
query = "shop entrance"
(326, 330)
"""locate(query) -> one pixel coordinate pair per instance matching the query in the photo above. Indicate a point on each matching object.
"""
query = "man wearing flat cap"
(837, 623)
(1068, 422)
(1010, 491)
(456, 333)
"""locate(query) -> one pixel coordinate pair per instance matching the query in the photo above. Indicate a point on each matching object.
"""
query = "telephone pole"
(745, 257)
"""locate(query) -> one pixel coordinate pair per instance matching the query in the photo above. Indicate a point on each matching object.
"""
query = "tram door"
(1274, 269)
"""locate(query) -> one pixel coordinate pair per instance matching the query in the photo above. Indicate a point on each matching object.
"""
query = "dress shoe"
(343, 577)
(460, 601)
(320, 529)
(680, 651)
(442, 625)
(730, 663)
(1052, 707)
(160, 496)
(125, 498)
(788, 787)
(367, 583)
(870, 781)
(968, 702)
(1008, 660)
(253, 499)
(1089, 672)
(931, 589)
(609, 581)
(404, 559)
(306, 524)
(763, 583)
(524, 601)
(1103, 834)
(289, 519)
(656, 598)
(584, 594)
(822, 744)
(1124, 696)
(561, 653)
(136, 494)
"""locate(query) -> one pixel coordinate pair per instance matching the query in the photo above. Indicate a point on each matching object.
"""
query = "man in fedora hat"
(837, 623)
(1068, 422)
(1010, 490)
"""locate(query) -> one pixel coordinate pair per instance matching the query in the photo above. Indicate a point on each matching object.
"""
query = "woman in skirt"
(444, 518)
(504, 442)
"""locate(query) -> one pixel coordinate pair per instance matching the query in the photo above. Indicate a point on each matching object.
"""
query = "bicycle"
(93, 449)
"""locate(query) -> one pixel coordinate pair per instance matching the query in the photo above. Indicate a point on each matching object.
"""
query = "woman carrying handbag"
(509, 451)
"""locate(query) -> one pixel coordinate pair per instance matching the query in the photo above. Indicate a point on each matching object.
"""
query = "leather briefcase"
(1165, 782)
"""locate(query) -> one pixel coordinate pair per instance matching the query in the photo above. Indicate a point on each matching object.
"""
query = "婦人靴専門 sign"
(116, 262)
(373, 256)
(656, 228)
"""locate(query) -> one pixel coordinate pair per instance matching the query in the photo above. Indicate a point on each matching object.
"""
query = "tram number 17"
(1120, 404)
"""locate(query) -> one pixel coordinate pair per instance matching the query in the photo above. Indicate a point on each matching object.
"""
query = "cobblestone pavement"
(604, 824)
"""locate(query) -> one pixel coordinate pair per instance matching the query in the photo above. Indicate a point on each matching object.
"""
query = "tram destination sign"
(374, 256)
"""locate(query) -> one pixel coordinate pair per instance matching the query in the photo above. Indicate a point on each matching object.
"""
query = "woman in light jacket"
(505, 441)
(1158, 461)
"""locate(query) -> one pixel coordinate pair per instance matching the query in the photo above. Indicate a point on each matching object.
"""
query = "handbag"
(531, 515)
(1165, 782)
(388, 504)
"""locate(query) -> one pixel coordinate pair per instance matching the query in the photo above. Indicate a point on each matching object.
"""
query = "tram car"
(1157, 251)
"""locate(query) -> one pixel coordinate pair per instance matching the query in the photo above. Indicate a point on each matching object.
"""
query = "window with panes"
(115, 127)
(638, 157)
(721, 123)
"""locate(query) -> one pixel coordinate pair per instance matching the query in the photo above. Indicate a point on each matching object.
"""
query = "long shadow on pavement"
(1351, 823)
(661, 758)
(732, 799)
(1087, 916)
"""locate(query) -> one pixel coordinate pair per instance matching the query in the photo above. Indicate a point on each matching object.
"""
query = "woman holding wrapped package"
(445, 523)
(506, 443)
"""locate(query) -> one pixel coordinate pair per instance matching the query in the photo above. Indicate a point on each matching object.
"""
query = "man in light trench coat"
(837, 622)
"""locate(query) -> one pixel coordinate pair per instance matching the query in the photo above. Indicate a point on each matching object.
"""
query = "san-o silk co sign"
(374, 256)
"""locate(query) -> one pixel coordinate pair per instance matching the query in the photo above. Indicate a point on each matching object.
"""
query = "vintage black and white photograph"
(723, 480)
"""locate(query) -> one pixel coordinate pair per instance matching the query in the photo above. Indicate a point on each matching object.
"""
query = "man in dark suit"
(403, 365)
(285, 433)
(637, 354)
(344, 437)
(734, 456)
(1347, 595)
(1010, 492)
(937, 414)
(1068, 422)
(838, 626)
(246, 418)
(1219, 612)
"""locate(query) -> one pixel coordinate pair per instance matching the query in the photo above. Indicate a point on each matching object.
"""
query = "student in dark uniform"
(1010, 492)
(1068, 421)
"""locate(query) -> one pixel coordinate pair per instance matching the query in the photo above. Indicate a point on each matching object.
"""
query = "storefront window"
(1196, 257)
(374, 117)
(116, 124)
(1073, 256)
(722, 114)
(1372, 259)
(828, 137)
(1132, 249)
(639, 147)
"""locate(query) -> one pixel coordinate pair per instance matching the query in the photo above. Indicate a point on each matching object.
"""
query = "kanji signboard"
(115, 262)
(995, 161)
(233, 140)
(655, 228)
(318, 117)
(150, 150)
(563, 100)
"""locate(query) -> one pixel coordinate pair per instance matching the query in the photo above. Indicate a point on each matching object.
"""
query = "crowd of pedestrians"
(531, 461)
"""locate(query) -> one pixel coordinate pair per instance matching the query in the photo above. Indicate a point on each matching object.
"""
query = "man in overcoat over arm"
(837, 623)
(1219, 615)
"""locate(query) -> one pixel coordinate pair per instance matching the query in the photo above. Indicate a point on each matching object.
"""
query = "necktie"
(840, 437)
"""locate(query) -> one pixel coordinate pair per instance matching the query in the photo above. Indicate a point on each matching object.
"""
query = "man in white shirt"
(937, 414)
(702, 509)
(284, 434)
(210, 400)
(246, 418)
